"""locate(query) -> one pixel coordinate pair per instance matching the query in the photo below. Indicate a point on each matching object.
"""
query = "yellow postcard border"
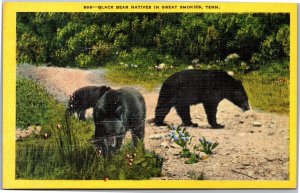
(9, 98)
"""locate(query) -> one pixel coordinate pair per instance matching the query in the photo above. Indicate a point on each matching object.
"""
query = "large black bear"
(84, 98)
(116, 112)
(190, 87)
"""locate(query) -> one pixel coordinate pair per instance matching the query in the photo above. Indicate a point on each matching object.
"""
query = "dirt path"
(62, 82)
(253, 145)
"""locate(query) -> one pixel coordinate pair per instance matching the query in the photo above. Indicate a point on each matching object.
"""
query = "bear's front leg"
(162, 109)
(119, 142)
(183, 110)
(137, 134)
(211, 113)
(82, 115)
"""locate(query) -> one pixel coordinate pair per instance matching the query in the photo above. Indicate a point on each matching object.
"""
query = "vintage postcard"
(158, 95)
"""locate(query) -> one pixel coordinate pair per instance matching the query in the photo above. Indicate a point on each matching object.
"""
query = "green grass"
(148, 78)
(35, 106)
(69, 154)
(137, 67)
(267, 92)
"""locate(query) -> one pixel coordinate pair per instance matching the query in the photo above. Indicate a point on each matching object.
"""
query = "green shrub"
(92, 39)
(81, 46)
(31, 49)
(34, 106)
(283, 37)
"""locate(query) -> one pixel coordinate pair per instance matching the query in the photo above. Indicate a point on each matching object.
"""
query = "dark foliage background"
(93, 39)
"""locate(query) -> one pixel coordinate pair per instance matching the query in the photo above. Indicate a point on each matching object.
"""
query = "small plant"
(182, 138)
(196, 176)
(207, 146)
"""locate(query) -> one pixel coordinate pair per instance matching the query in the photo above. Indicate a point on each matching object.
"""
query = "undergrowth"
(69, 154)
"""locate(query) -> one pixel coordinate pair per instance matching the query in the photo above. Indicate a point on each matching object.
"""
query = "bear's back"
(200, 79)
(89, 95)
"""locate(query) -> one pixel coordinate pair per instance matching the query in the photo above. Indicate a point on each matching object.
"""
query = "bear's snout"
(245, 106)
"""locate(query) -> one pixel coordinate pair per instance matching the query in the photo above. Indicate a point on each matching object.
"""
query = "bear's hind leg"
(211, 113)
(184, 112)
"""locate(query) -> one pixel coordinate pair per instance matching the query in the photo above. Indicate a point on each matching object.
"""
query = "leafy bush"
(92, 39)
(34, 106)
(270, 48)
(32, 49)
(69, 154)
(283, 37)
(81, 46)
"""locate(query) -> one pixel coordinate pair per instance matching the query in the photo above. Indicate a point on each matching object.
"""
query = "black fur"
(84, 98)
(190, 87)
(116, 112)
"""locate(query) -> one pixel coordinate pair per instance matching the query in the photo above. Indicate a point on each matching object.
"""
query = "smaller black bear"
(116, 112)
(84, 98)
(190, 87)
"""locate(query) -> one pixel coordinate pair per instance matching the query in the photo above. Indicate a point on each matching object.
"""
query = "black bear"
(84, 98)
(190, 87)
(116, 112)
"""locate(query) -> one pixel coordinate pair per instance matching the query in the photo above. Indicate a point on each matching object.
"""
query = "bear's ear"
(119, 111)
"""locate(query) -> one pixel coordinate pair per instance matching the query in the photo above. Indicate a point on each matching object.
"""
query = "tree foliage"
(91, 39)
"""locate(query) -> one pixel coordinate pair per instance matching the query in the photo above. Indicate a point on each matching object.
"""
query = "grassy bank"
(267, 92)
(35, 106)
